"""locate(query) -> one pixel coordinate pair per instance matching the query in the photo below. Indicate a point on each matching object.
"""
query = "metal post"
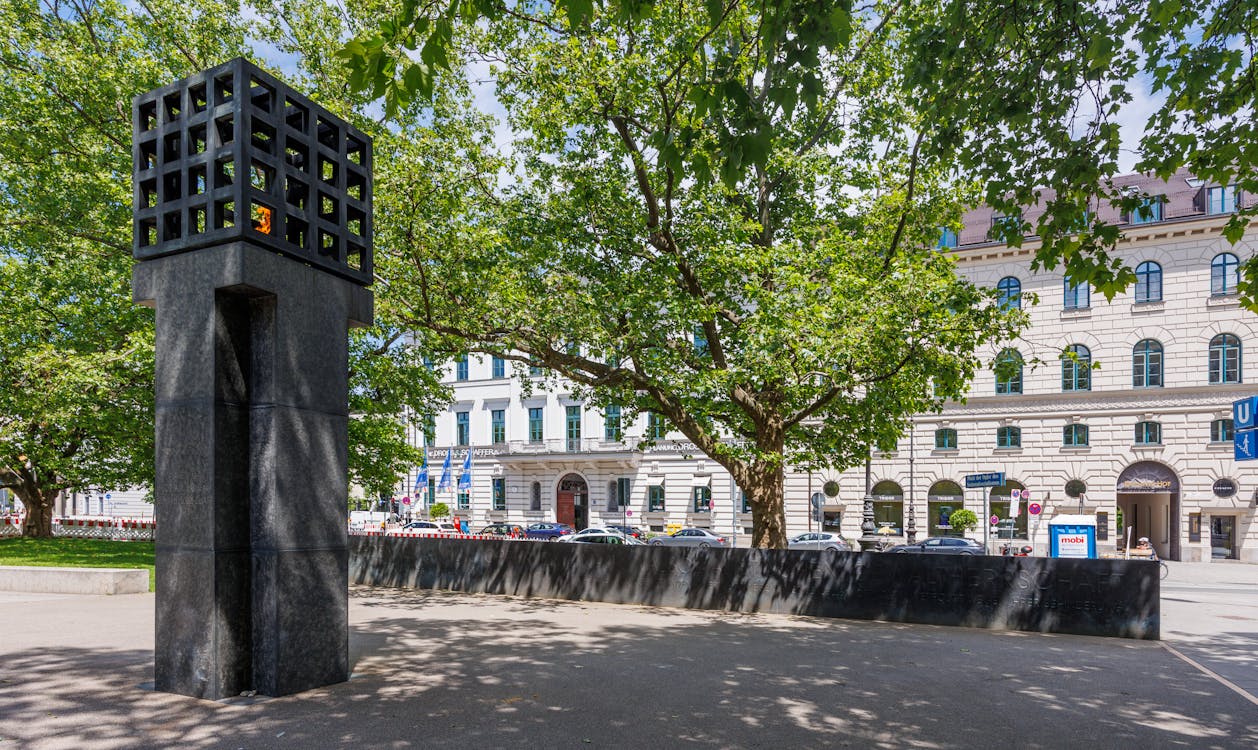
(911, 529)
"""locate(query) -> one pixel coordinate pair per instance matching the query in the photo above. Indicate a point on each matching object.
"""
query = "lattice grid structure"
(233, 153)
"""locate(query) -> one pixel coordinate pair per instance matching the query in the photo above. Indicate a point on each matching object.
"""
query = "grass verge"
(64, 552)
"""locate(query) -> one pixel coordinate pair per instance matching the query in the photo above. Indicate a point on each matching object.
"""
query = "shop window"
(889, 514)
(1194, 527)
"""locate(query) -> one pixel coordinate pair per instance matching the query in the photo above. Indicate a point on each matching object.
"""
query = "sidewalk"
(434, 669)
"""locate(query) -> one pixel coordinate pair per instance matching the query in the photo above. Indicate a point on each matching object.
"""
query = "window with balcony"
(1076, 368)
(461, 368)
(655, 498)
(1148, 433)
(500, 493)
(1076, 296)
(1222, 431)
(535, 424)
(499, 367)
(572, 430)
(1009, 372)
(1224, 275)
(1008, 437)
(1074, 436)
(1148, 282)
(611, 423)
(498, 426)
(462, 428)
(1225, 359)
(945, 439)
(1009, 291)
(1146, 365)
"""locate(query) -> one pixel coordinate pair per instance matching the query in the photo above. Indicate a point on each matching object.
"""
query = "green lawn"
(61, 552)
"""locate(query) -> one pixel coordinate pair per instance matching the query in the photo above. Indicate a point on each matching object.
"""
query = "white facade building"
(1143, 440)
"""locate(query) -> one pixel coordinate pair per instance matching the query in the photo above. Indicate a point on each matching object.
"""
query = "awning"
(704, 481)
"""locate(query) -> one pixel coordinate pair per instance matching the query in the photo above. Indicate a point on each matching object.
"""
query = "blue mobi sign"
(1245, 426)
(1072, 539)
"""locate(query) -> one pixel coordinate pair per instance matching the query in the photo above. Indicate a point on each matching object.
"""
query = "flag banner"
(444, 484)
(421, 479)
(465, 476)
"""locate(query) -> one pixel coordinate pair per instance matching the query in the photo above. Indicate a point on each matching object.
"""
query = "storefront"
(944, 497)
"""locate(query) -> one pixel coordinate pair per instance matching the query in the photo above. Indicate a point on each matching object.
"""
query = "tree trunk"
(768, 511)
(39, 510)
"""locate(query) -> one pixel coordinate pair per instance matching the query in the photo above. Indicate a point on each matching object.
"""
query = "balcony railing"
(574, 445)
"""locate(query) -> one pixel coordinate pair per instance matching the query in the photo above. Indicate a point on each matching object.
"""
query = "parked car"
(942, 545)
(503, 529)
(547, 530)
(430, 527)
(632, 531)
(819, 540)
(598, 536)
(690, 537)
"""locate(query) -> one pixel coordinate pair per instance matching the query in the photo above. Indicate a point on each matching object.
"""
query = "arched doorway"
(572, 501)
(1148, 504)
(943, 498)
(888, 508)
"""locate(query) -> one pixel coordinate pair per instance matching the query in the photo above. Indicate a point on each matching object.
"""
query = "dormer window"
(1004, 225)
(1222, 200)
(1148, 211)
(947, 239)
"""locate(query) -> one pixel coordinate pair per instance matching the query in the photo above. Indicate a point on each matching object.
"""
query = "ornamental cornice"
(1159, 400)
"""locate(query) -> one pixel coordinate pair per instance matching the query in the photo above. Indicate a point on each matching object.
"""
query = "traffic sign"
(988, 479)
(1246, 445)
(108, 496)
(818, 500)
(1026, 494)
(995, 519)
(628, 513)
(1034, 509)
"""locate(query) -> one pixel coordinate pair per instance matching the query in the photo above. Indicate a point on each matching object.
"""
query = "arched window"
(945, 438)
(1076, 368)
(1010, 290)
(1225, 359)
(1009, 372)
(1148, 282)
(1224, 274)
(1146, 365)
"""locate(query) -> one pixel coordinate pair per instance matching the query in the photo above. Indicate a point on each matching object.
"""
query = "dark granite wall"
(1087, 597)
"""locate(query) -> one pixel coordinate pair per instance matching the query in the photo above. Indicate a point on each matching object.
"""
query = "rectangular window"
(500, 367)
(500, 493)
(535, 424)
(1002, 226)
(744, 504)
(945, 439)
(655, 498)
(432, 492)
(498, 426)
(702, 499)
(889, 515)
(1074, 435)
(1221, 200)
(1148, 433)
(611, 423)
(947, 239)
(1194, 527)
(460, 372)
(656, 426)
(465, 500)
(430, 430)
(572, 428)
(700, 341)
(1076, 296)
(535, 371)
(461, 428)
(1221, 431)
(1008, 437)
(623, 486)
(535, 496)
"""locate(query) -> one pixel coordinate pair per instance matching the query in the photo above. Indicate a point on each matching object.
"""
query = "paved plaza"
(435, 669)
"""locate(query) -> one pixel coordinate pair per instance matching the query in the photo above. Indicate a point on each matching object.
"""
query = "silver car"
(690, 538)
(819, 540)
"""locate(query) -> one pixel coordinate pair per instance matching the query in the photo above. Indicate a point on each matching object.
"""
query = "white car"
(599, 536)
(430, 527)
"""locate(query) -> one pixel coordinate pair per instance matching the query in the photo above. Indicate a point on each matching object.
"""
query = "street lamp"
(911, 529)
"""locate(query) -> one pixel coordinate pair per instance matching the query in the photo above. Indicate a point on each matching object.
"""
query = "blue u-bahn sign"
(1245, 426)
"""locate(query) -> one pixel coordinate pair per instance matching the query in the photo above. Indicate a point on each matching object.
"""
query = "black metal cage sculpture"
(233, 154)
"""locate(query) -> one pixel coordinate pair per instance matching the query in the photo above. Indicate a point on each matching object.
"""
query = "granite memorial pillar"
(252, 211)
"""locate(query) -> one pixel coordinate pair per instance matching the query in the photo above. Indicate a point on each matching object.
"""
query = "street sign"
(1015, 494)
(995, 519)
(989, 479)
(1034, 509)
(1246, 445)
(109, 496)
(1026, 494)
(1245, 414)
(628, 513)
(406, 501)
(818, 500)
